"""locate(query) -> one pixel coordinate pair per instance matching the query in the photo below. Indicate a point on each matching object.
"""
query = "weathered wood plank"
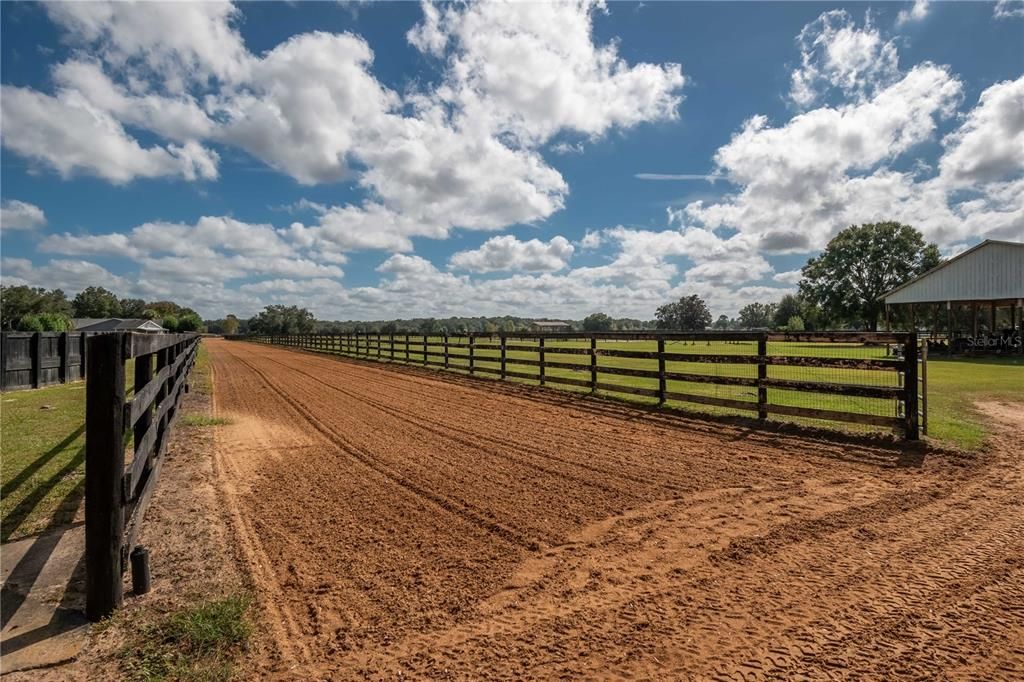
(711, 400)
(835, 415)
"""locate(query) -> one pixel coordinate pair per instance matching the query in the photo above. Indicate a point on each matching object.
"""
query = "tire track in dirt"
(773, 556)
(459, 508)
(492, 446)
(399, 376)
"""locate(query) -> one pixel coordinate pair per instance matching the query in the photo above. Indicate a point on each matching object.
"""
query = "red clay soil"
(401, 522)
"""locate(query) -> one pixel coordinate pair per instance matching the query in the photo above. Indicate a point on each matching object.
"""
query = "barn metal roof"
(990, 271)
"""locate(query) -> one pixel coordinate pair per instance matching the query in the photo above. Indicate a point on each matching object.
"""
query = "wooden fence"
(860, 378)
(116, 497)
(35, 359)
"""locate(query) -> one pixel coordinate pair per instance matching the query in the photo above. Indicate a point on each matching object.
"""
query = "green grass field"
(42, 453)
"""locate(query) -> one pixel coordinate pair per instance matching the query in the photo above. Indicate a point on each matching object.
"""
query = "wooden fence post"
(540, 353)
(762, 374)
(407, 348)
(446, 351)
(391, 345)
(593, 364)
(661, 371)
(424, 350)
(104, 469)
(472, 339)
(65, 357)
(37, 359)
(910, 388)
(503, 355)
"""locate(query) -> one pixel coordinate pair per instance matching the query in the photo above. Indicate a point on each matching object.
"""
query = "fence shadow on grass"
(23, 575)
(65, 511)
(40, 462)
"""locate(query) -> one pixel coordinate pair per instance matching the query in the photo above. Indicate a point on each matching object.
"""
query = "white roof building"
(992, 271)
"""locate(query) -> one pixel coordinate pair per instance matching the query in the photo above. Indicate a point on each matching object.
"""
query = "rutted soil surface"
(397, 522)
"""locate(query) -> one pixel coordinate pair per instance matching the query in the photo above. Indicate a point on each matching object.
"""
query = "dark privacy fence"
(35, 359)
(869, 379)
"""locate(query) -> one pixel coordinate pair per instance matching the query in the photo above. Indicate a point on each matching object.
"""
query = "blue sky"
(373, 161)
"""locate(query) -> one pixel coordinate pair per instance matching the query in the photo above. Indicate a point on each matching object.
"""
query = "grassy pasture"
(954, 385)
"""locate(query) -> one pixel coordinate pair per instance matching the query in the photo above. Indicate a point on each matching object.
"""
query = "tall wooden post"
(593, 364)
(104, 469)
(661, 371)
(910, 387)
(540, 352)
(472, 360)
(762, 374)
(407, 348)
(445, 351)
(425, 356)
(503, 341)
(65, 357)
(37, 359)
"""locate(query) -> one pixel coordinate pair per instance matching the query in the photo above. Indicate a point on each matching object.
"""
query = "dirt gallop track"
(397, 522)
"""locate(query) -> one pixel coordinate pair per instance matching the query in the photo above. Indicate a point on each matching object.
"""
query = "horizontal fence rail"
(37, 359)
(117, 493)
(852, 377)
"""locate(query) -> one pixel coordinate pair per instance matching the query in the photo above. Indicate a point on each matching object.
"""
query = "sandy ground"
(397, 522)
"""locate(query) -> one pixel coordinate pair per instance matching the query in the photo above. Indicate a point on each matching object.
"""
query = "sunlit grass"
(954, 384)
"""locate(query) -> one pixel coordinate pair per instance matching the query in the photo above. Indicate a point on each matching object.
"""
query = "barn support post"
(503, 356)
(540, 352)
(992, 326)
(910, 387)
(104, 468)
(924, 388)
(661, 372)
(593, 364)
(974, 319)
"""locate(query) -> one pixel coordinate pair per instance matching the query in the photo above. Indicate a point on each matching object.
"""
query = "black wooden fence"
(116, 497)
(851, 377)
(35, 359)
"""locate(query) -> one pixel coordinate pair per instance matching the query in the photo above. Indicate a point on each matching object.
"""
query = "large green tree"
(597, 322)
(281, 319)
(96, 302)
(689, 313)
(757, 315)
(132, 307)
(18, 301)
(860, 264)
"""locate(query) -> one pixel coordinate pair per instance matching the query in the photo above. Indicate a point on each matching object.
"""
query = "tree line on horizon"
(840, 288)
(36, 309)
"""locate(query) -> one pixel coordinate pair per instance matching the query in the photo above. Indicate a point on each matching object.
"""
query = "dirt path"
(397, 522)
